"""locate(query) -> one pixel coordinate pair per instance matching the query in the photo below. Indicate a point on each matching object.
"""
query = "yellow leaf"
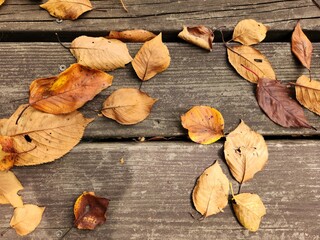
(246, 58)
(25, 219)
(128, 106)
(67, 9)
(249, 210)
(205, 124)
(135, 35)
(9, 188)
(249, 32)
(151, 59)
(246, 152)
(1, 2)
(200, 36)
(210, 195)
(100, 53)
(7, 153)
(308, 93)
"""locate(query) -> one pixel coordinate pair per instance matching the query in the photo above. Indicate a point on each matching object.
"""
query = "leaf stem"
(123, 5)
(58, 38)
(299, 85)
(22, 113)
(4, 231)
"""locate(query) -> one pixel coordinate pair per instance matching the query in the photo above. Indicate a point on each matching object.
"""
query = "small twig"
(316, 3)
(58, 38)
(124, 6)
(62, 237)
(4, 231)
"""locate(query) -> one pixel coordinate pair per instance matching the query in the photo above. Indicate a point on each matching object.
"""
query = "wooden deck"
(150, 191)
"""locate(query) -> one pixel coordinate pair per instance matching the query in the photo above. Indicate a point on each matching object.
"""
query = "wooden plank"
(195, 77)
(165, 16)
(150, 192)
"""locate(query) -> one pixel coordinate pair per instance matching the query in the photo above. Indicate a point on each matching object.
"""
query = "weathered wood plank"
(150, 192)
(194, 77)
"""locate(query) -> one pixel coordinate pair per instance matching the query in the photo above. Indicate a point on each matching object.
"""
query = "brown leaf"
(9, 188)
(210, 195)
(301, 46)
(200, 36)
(7, 153)
(308, 93)
(100, 53)
(70, 10)
(136, 35)
(25, 219)
(249, 210)
(249, 32)
(243, 58)
(151, 59)
(274, 99)
(246, 152)
(41, 137)
(89, 211)
(128, 106)
(205, 124)
(68, 91)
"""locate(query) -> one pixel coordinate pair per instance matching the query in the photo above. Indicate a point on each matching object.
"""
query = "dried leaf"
(308, 93)
(205, 124)
(200, 36)
(41, 137)
(89, 211)
(243, 58)
(100, 53)
(210, 195)
(152, 58)
(7, 153)
(246, 152)
(1, 2)
(249, 32)
(25, 219)
(9, 188)
(274, 99)
(128, 106)
(136, 35)
(249, 210)
(70, 10)
(68, 91)
(301, 46)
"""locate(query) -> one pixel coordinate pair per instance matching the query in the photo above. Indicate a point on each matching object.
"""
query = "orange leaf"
(1, 2)
(9, 188)
(152, 58)
(200, 36)
(68, 91)
(136, 35)
(7, 153)
(89, 211)
(205, 124)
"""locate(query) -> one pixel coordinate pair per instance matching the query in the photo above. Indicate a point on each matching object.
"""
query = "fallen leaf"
(7, 153)
(301, 46)
(9, 188)
(25, 219)
(249, 210)
(308, 93)
(205, 124)
(68, 91)
(1, 2)
(210, 195)
(41, 137)
(249, 32)
(70, 10)
(90, 211)
(128, 106)
(136, 35)
(243, 58)
(246, 152)
(274, 100)
(200, 36)
(100, 53)
(152, 58)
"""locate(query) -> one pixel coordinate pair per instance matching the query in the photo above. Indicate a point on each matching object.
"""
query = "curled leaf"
(243, 58)
(68, 91)
(200, 36)
(100, 53)
(308, 93)
(301, 46)
(210, 195)
(25, 219)
(136, 35)
(249, 210)
(249, 32)
(89, 211)
(246, 152)
(9, 188)
(128, 106)
(152, 58)
(7, 153)
(205, 124)
(67, 9)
